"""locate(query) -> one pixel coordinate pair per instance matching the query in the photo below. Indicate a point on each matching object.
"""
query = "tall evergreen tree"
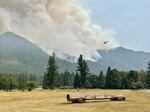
(85, 74)
(22, 79)
(93, 81)
(143, 78)
(32, 77)
(83, 69)
(59, 80)
(44, 83)
(66, 77)
(87, 84)
(77, 82)
(148, 75)
(115, 79)
(101, 80)
(123, 82)
(51, 73)
(131, 79)
(107, 79)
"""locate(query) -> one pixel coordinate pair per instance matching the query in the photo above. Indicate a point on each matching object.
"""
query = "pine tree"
(85, 74)
(142, 78)
(22, 79)
(93, 79)
(87, 84)
(80, 65)
(66, 78)
(148, 75)
(131, 79)
(51, 73)
(32, 77)
(77, 81)
(101, 80)
(107, 79)
(123, 82)
(44, 83)
(115, 80)
(83, 69)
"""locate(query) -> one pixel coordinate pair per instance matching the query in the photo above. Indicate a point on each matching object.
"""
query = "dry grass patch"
(54, 101)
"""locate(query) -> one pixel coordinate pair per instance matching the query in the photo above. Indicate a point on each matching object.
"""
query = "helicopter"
(106, 42)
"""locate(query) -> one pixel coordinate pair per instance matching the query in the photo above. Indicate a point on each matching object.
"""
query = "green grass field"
(55, 101)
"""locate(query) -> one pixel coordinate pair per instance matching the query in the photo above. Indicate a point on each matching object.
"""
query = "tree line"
(81, 78)
(9, 82)
(113, 79)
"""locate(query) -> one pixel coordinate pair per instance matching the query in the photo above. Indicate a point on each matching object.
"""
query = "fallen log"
(83, 98)
(118, 98)
(75, 99)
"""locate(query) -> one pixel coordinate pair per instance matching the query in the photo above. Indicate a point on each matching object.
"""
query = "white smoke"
(55, 25)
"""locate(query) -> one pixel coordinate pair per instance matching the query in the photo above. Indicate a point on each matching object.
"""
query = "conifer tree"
(66, 78)
(93, 79)
(77, 81)
(51, 73)
(101, 80)
(115, 80)
(87, 84)
(83, 70)
(44, 83)
(85, 74)
(22, 79)
(148, 75)
(131, 79)
(107, 79)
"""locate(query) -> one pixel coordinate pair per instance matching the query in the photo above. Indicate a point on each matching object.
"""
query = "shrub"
(30, 85)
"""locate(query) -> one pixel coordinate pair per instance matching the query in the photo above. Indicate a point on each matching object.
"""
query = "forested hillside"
(18, 55)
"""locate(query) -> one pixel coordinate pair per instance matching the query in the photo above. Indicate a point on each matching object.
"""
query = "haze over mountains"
(18, 55)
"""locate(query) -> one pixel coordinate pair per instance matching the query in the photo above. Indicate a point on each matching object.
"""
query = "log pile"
(84, 98)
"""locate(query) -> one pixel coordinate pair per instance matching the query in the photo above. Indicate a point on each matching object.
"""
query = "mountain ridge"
(18, 55)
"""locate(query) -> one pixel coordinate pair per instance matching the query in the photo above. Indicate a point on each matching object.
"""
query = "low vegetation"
(55, 101)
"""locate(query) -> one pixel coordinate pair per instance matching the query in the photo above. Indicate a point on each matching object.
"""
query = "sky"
(129, 19)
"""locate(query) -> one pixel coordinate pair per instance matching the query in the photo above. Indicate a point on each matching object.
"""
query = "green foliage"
(148, 75)
(50, 76)
(44, 83)
(115, 79)
(22, 79)
(124, 80)
(136, 85)
(132, 76)
(142, 77)
(87, 84)
(13, 84)
(77, 82)
(107, 83)
(30, 85)
(66, 78)
(8, 83)
(93, 81)
(101, 80)
(83, 70)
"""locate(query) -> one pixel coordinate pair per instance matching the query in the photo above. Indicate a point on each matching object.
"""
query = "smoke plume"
(55, 25)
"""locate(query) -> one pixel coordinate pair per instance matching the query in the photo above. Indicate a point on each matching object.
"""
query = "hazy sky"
(130, 19)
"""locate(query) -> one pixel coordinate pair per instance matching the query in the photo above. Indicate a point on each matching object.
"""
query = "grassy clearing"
(54, 101)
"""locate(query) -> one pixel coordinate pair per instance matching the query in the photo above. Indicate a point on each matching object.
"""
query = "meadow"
(55, 101)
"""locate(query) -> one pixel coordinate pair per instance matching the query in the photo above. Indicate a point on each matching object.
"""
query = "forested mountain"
(18, 55)
(125, 59)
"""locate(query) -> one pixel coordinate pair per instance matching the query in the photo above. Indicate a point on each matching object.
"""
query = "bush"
(30, 85)
(137, 85)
